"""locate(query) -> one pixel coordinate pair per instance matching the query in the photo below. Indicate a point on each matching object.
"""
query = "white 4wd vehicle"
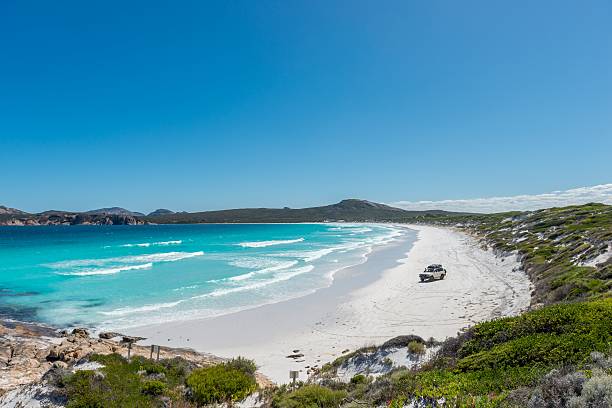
(433, 272)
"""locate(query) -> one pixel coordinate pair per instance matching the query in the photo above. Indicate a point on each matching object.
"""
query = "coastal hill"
(351, 210)
(54, 217)
(160, 211)
(114, 211)
(10, 211)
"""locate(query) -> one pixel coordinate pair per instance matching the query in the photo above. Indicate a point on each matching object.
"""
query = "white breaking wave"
(263, 244)
(278, 267)
(216, 293)
(259, 262)
(355, 231)
(257, 285)
(142, 309)
(107, 271)
(148, 244)
(109, 266)
(312, 255)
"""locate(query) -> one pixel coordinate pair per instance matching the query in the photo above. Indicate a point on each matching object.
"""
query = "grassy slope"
(553, 245)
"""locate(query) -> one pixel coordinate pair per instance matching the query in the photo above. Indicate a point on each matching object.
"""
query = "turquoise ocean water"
(125, 276)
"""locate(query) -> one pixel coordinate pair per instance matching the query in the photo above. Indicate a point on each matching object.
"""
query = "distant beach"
(367, 304)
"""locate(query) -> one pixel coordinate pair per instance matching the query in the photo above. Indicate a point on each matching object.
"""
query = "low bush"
(310, 396)
(243, 364)
(116, 387)
(359, 379)
(220, 384)
(153, 387)
(415, 347)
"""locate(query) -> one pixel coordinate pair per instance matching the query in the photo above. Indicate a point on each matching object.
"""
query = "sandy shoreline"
(367, 304)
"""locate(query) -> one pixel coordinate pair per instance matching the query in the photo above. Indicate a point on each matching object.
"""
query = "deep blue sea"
(112, 277)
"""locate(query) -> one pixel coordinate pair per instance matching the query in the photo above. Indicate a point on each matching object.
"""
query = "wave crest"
(110, 266)
(148, 244)
(263, 244)
(107, 271)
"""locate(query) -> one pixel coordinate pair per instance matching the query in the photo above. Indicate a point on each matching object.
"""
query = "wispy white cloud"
(599, 194)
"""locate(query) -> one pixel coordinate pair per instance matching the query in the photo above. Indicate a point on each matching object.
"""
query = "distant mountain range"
(351, 210)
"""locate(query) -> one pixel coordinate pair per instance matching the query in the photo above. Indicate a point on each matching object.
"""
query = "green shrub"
(122, 384)
(153, 387)
(359, 379)
(415, 347)
(243, 364)
(310, 396)
(115, 388)
(220, 384)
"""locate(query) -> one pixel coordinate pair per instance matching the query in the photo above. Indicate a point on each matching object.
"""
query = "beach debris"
(295, 355)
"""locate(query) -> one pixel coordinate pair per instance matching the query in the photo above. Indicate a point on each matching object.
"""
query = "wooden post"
(129, 351)
(151, 354)
(157, 352)
(293, 375)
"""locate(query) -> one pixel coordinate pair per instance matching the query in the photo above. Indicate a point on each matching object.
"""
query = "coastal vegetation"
(565, 251)
(117, 382)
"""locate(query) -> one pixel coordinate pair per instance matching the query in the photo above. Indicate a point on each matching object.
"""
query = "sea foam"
(107, 271)
(263, 244)
(148, 244)
(257, 285)
(110, 266)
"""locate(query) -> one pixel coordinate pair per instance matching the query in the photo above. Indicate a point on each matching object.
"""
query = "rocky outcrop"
(27, 354)
(64, 218)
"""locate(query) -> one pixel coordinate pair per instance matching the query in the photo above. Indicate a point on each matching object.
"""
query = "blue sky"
(206, 105)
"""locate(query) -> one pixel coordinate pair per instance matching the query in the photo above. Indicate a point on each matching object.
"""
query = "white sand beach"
(366, 304)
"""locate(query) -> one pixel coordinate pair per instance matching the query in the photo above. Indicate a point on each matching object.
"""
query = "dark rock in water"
(402, 341)
(109, 335)
(81, 332)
